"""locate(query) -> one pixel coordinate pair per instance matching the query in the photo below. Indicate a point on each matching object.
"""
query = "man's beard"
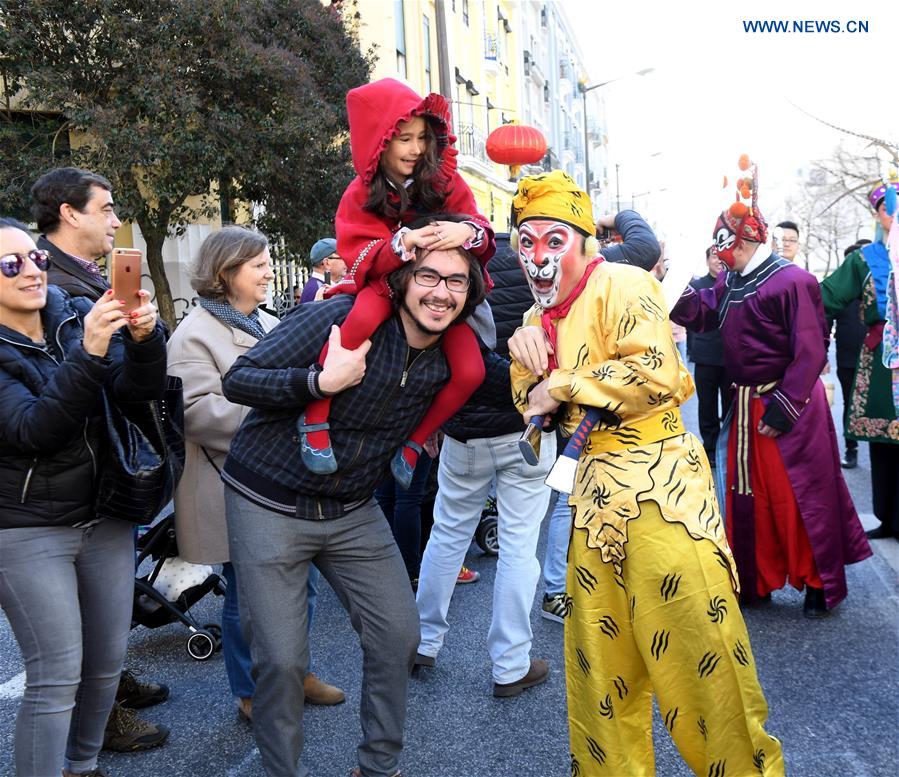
(420, 326)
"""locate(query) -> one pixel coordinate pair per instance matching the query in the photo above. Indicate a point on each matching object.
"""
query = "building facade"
(554, 95)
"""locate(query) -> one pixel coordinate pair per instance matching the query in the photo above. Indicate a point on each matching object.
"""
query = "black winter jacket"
(510, 298)
(51, 430)
(850, 334)
(65, 273)
(639, 245)
(705, 347)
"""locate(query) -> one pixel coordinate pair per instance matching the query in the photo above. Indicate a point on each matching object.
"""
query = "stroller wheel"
(201, 645)
(216, 631)
(487, 535)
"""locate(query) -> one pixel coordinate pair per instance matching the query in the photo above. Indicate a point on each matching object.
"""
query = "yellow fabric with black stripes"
(669, 624)
(616, 352)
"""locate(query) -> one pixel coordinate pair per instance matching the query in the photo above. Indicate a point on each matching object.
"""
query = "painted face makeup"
(725, 242)
(551, 256)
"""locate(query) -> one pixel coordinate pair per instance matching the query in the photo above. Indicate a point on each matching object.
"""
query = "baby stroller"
(153, 608)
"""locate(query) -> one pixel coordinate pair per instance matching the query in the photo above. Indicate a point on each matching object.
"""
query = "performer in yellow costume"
(651, 579)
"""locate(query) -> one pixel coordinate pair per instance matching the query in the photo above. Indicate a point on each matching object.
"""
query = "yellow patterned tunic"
(615, 352)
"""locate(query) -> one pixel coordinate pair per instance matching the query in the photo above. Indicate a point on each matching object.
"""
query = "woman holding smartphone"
(66, 576)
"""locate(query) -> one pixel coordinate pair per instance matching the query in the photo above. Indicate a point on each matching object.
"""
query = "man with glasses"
(75, 215)
(786, 240)
(282, 517)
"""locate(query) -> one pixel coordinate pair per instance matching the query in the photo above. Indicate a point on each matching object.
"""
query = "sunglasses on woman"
(11, 264)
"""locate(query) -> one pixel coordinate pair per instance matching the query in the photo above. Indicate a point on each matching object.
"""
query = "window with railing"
(471, 142)
(491, 47)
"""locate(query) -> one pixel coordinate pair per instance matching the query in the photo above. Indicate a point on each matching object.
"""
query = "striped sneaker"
(555, 607)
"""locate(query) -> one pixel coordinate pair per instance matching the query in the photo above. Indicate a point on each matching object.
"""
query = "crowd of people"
(416, 345)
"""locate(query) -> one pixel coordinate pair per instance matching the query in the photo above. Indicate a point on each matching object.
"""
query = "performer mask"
(552, 257)
(726, 241)
(731, 231)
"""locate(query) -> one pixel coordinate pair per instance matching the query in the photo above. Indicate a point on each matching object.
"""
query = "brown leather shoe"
(245, 709)
(318, 692)
(537, 674)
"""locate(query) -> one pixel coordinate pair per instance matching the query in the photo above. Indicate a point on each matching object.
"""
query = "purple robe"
(774, 331)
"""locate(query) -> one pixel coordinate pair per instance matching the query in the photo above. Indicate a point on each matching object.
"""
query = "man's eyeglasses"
(430, 279)
(789, 241)
(11, 264)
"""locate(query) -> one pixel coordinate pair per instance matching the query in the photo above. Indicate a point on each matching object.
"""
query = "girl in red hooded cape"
(406, 169)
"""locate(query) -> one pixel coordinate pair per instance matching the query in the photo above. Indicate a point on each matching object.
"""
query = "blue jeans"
(68, 595)
(403, 512)
(465, 474)
(358, 556)
(235, 649)
(555, 562)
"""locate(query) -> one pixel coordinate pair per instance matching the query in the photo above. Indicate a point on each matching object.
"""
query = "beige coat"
(200, 353)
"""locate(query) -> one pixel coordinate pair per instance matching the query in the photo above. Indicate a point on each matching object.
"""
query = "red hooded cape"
(375, 110)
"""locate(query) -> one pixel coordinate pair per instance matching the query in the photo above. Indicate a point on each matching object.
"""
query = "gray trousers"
(68, 596)
(357, 555)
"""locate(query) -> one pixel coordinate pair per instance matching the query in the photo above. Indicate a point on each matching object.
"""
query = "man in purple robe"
(789, 514)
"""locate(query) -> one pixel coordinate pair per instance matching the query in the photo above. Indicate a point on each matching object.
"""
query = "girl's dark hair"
(421, 193)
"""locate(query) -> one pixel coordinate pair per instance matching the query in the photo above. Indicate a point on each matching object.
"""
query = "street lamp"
(583, 88)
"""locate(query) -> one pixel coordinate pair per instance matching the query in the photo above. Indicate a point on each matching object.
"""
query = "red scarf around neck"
(548, 317)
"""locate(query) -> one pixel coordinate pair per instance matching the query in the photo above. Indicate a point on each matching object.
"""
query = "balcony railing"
(471, 141)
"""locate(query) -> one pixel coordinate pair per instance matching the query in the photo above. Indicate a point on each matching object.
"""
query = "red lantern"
(516, 144)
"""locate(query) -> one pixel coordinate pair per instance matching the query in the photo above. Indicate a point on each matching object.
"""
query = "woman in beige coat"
(231, 276)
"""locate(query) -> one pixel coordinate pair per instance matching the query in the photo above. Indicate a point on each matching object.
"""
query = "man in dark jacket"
(281, 516)
(75, 215)
(707, 353)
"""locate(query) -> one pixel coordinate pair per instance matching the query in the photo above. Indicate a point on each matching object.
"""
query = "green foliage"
(168, 98)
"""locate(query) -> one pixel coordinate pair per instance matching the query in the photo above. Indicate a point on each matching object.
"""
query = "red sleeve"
(362, 237)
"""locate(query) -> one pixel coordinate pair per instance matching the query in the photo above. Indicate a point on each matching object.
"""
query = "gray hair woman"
(231, 275)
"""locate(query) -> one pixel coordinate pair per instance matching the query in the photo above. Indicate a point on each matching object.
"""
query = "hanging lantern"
(516, 144)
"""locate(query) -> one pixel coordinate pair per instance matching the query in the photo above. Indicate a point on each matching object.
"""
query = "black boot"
(882, 532)
(815, 606)
(850, 459)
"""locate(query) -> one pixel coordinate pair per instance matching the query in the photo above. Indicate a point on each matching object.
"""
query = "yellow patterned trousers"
(670, 626)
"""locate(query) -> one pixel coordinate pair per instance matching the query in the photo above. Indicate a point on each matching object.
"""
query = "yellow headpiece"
(555, 196)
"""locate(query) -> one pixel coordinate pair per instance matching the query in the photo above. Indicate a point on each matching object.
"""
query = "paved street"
(831, 686)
